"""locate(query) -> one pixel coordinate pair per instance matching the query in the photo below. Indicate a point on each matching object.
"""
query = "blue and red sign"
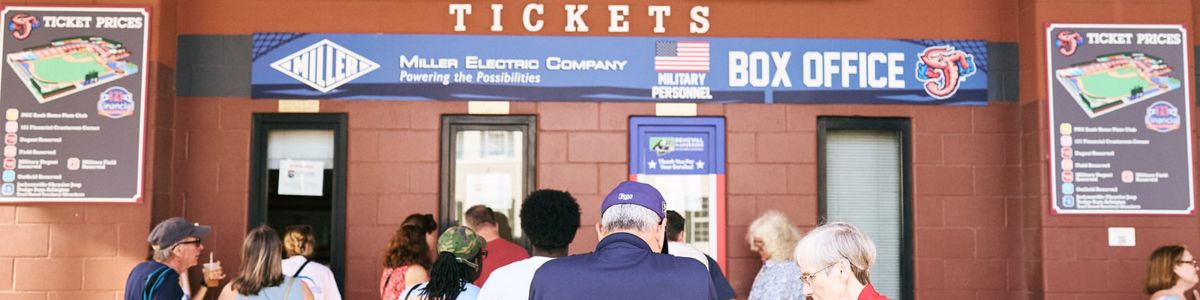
(649, 69)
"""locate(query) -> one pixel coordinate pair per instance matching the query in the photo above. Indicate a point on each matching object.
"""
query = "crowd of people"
(641, 254)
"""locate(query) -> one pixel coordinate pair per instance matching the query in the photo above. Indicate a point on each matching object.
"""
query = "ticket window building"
(487, 160)
(864, 171)
(298, 178)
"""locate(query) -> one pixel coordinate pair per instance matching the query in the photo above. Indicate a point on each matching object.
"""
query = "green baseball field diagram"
(70, 65)
(1113, 81)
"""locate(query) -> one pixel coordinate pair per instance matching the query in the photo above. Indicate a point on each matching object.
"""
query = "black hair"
(674, 225)
(550, 219)
(448, 277)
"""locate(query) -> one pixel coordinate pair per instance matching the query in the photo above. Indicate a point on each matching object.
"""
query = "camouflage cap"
(463, 243)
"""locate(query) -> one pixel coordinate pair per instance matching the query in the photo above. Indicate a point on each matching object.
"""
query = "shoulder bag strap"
(414, 288)
(306, 261)
(288, 289)
(153, 281)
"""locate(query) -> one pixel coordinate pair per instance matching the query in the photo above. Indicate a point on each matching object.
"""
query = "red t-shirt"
(501, 252)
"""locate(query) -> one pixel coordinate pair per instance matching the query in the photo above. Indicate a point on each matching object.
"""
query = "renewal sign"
(73, 101)
(650, 69)
(1119, 119)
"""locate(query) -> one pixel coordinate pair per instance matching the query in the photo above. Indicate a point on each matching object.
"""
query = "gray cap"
(173, 230)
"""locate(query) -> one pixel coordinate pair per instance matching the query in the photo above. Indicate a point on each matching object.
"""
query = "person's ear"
(599, 232)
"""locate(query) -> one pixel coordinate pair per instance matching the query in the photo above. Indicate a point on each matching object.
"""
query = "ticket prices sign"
(646, 69)
(74, 90)
(1121, 140)
(684, 158)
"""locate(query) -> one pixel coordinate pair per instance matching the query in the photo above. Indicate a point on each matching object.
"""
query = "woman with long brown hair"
(407, 259)
(261, 275)
(1170, 273)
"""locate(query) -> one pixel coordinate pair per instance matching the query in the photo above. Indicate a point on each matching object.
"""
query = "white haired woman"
(773, 237)
(261, 275)
(834, 260)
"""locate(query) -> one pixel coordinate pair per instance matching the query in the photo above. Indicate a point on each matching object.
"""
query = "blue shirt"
(724, 290)
(162, 280)
(622, 267)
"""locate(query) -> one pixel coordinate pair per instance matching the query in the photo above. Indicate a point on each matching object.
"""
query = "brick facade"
(982, 223)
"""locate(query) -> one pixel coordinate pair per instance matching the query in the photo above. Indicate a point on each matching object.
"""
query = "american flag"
(673, 56)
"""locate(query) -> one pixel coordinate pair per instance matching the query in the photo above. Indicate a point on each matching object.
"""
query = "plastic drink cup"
(210, 272)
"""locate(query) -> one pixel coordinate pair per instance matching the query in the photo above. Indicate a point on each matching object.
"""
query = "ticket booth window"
(298, 178)
(865, 180)
(487, 160)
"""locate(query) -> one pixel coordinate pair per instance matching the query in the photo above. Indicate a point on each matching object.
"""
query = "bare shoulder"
(1166, 295)
(227, 293)
(416, 269)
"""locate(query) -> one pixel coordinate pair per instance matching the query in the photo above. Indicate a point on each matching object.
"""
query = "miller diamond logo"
(325, 66)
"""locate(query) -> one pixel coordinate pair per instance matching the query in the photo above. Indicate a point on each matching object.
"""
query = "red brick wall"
(84, 251)
(1068, 257)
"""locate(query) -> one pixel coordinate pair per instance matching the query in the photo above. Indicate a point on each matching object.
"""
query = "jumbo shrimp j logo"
(942, 68)
(324, 66)
(22, 25)
(1068, 41)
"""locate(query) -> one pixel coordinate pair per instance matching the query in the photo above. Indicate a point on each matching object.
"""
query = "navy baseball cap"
(637, 193)
(173, 230)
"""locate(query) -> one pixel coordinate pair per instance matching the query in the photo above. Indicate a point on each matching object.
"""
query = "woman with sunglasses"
(299, 243)
(459, 261)
(834, 260)
(1171, 273)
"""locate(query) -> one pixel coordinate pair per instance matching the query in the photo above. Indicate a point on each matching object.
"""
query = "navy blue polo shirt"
(622, 267)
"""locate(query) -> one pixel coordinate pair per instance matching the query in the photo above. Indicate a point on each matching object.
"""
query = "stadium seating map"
(1117, 80)
(70, 65)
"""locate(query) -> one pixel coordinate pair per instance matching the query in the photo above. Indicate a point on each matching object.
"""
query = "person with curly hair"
(459, 262)
(550, 219)
(774, 238)
(1171, 273)
(408, 256)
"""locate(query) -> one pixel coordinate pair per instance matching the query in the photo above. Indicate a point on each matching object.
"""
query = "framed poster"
(1120, 119)
(74, 93)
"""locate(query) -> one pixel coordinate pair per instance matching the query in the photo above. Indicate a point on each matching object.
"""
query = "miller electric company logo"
(22, 25)
(324, 66)
(942, 68)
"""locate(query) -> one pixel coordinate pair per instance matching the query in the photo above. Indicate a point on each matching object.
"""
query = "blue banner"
(649, 69)
(677, 146)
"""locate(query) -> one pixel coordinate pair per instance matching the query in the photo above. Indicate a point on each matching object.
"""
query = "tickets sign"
(1120, 119)
(74, 82)
(649, 69)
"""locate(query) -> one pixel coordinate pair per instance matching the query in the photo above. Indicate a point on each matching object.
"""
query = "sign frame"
(143, 78)
(1054, 131)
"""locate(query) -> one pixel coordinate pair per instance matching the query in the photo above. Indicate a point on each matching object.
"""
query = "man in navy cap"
(628, 263)
(176, 245)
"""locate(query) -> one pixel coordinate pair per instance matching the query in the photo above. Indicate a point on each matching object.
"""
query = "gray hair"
(629, 217)
(163, 254)
(777, 235)
(835, 241)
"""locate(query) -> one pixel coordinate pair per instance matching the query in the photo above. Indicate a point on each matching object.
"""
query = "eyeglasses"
(807, 278)
(483, 254)
(1192, 262)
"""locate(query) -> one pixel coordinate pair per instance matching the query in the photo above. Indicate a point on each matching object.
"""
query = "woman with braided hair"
(299, 243)
(460, 259)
